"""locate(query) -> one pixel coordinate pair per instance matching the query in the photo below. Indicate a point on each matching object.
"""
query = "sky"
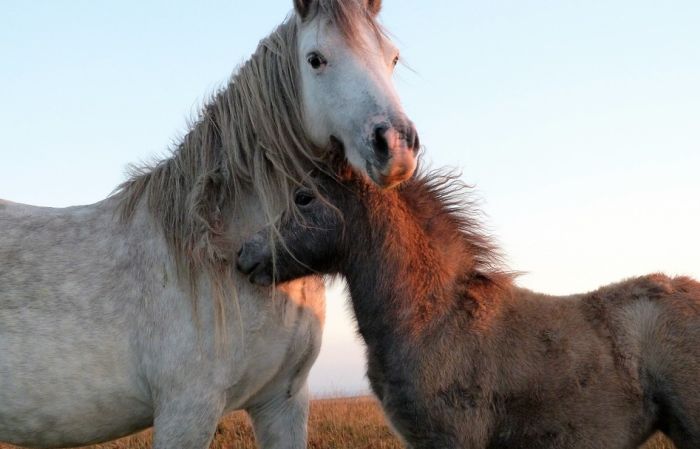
(578, 122)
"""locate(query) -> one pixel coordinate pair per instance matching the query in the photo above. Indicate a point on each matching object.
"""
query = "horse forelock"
(348, 16)
(248, 137)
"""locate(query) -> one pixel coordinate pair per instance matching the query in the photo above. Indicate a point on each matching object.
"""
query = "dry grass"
(352, 423)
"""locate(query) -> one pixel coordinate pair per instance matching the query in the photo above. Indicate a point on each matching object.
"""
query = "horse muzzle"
(396, 151)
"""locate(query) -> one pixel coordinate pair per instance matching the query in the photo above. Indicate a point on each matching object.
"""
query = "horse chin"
(340, 161)
(393, 174)
(336, 149)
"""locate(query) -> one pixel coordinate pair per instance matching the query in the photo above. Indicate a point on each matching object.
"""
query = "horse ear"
(302, 7)
(374, 6)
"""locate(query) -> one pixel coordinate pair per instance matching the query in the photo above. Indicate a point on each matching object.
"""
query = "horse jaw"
(352, 100)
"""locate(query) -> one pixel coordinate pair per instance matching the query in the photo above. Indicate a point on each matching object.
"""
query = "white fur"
(98, 337)
(353, 94)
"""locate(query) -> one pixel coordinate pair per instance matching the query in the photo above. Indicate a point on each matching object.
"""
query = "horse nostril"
(416, 141)
(379, 142)
(411, 136)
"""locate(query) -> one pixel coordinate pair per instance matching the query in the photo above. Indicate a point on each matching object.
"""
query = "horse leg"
(675, 391)
(281, 423)
(681, 420)
(187, 422)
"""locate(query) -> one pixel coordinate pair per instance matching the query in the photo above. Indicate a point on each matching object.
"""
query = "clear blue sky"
(579, 122)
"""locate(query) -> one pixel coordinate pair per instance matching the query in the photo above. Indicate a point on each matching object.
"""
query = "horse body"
(543, 372)
(461, 358)
(99, 338)
(595, 370)
(47, 328)
(128, 313)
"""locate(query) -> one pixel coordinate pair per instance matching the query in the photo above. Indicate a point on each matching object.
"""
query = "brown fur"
(462, 358)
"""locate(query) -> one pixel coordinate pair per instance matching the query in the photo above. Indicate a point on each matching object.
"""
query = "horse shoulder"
(281, 337)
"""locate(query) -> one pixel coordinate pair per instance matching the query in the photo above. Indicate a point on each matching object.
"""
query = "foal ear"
(302, 7)
(345, 173)
(374, 6)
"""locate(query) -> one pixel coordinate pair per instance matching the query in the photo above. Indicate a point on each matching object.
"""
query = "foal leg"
(682, 421)
(187, 422)
(281, 423)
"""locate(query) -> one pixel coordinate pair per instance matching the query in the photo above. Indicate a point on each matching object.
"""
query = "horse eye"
(303, 198)
(395, 61)
(316, 60)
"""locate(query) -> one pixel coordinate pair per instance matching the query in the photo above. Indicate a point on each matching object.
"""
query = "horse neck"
(404, 275)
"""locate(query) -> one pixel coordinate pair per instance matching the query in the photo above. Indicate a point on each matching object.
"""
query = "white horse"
(127, 313)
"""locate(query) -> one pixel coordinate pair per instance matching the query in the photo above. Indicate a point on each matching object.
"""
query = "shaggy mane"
(440, 195)
(249, 137)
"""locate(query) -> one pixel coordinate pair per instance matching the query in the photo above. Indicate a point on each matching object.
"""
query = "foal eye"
(303, 198)
(316, 61)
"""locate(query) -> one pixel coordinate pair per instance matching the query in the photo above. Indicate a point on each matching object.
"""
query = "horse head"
(346, 63)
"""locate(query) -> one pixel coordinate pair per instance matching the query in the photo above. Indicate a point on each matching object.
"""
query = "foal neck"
(424, 259)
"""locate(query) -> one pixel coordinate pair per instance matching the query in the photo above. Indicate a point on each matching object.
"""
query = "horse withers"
(128, 313)
(462, 358)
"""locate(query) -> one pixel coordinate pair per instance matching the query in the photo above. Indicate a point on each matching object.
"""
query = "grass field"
(353, 423)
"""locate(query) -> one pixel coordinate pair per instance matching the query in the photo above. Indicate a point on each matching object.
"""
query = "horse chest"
(282, 340)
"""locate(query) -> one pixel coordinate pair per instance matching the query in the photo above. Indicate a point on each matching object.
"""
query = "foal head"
(346, 64)
(429, 225)
(312, 241)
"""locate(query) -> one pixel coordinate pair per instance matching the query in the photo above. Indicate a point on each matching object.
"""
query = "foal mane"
(449, 211)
